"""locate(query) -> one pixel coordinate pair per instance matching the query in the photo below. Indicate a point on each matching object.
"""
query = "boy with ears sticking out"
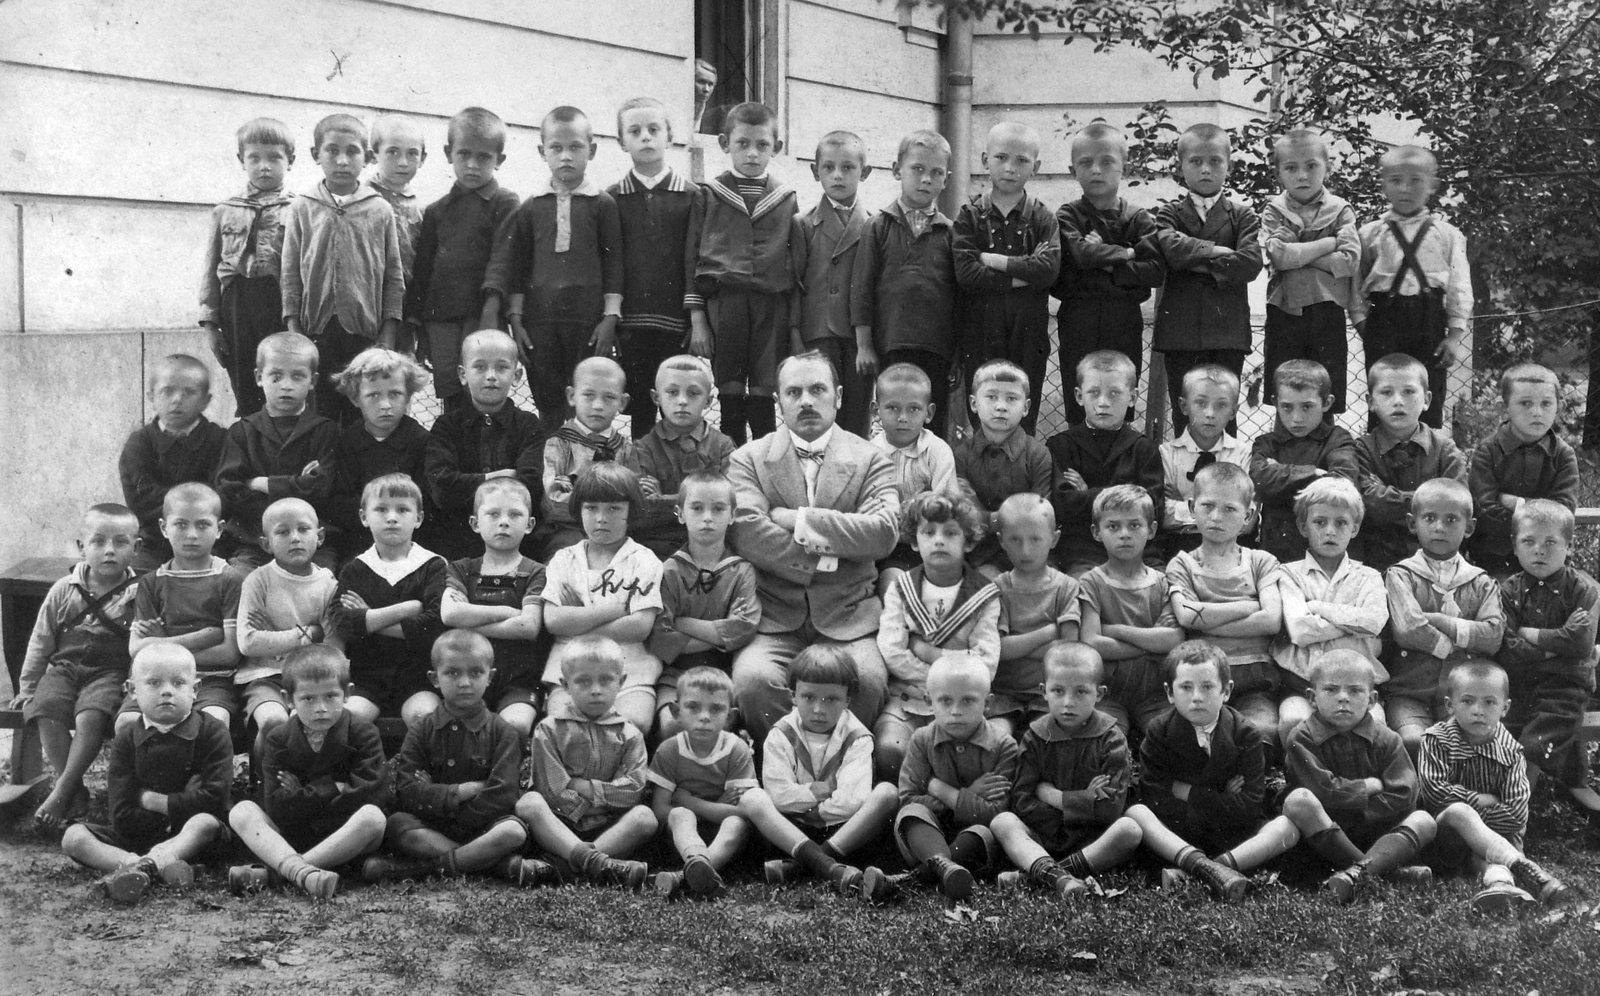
(1352, 788)
(817, 802)
(1066, 820)
(324, 785)
(1302, 447)
(698, 777)
(1526, 459)
(1211, 247)
(587, 808)
(558, 260)
(1204, 778)
(177, 446)
(1443, 611)
(1007, 254)
(826, 263)
(680, 444)
(167, 784)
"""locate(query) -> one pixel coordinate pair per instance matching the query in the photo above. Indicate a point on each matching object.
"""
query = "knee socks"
(924, 840)
(812, 856)
(1077, 864)
(733, 418)
(1392, 850)
(763, 416)
(970, 851)
(1335, 847)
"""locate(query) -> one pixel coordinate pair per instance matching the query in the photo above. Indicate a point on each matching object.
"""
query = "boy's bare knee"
(532, 808)
(885, 792)
(1455, 815)
(244, 815)
(679, 817)
(1300, 804)
(370, 819)
(74, 840)
(204, 823)
(1423, 826)
(1126, 831)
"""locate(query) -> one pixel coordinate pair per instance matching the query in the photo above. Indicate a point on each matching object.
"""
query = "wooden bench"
(23, 587)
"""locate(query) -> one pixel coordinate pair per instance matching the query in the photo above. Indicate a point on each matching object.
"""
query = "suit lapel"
(1217, 224)
(852, 229)
(783, 469)
(837, 473)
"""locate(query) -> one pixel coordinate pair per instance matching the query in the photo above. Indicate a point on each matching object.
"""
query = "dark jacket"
(1103, 458)
(152, 462)
(1083, 273)
(1172, 753)
(560, 286)
(905, 286)
(256, 448)
(453, 248)
(1205, 304)
(657, 270)
(143, 759)
(351, 753)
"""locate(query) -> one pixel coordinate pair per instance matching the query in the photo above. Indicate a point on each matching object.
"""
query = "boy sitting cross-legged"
(1443, 611)
(1126, 607)
(1072, 783)
(1551, 611)
(1228, 595)
(1038, 606)
(1330, 602)
(929, 611)
(699, 776)
(1101, 452)
(1301, 448)
(324, 782)
(1000, 458)
(957, 777)
(456, 780)
(817, 802)
(589, 773)
(1472, 779)
(168, 784)
(76, 665)
(1203, 778)
(1353, 791)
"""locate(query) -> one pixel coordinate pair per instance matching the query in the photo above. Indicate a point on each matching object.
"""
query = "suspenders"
(803, 753)
(1408, 256)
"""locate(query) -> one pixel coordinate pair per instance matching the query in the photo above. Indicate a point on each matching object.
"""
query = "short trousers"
(917, 811)
(444, 353)
(518, 695)
(401, 823)
(67, 689)
(1450, 853)
(1019, 709)
(215, 852)
(1256, 676)
(1212, 838)
(211, 690)
(263, 691)
(747, 328)
(387, 687)
(640, 669)
(306, 834)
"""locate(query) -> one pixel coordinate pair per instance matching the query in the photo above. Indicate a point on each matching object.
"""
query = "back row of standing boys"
(971, 595)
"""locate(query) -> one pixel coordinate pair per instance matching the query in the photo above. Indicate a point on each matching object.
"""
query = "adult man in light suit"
(817, 507)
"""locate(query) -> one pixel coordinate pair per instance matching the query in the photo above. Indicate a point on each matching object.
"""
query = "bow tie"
(1201, 462)
(705, 581)
(805, 454)
(604, 451)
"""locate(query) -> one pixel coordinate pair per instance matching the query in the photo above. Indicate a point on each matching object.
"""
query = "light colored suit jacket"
(856, 516)
(826, 260)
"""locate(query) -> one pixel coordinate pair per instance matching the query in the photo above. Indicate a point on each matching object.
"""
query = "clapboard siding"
(1015, 70)
(816, 109)
(832, 47)
(664, 26)
(924, 16)
(341, 53)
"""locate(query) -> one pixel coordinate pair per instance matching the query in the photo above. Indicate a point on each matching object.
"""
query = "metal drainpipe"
(958, 107)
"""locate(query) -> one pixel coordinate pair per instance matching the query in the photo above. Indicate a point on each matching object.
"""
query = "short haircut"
(1528, 373)
(706, 479)
(384, 124)
(391, 486)
(477, 122)
(487, 338)
(1099, 131)
(906, 373)
(111, 510)
(1195, 652)
(265, 131)
(1064, 655)
(565, 114)
(922, 139)
(288, 345)
(685, 363)
(712, 680)
(644, 103)
(1443, 489)
(315, 662)
(1026, 504)
(1300, 136)
(825, 664)
(338, 122)
(192, 493)
(1212, 373)
(1401, 363)
(1222, 474)
(1330, 490)
(847, 140)
(176, 362)
(1477, 671)
(1204, 131)
(1402, 155)
(1342, 658)
(599, 366)
(751, 114)
(1122, 497)
(1108, 361)
(164, 653)
(370, 364)
(461, 643)
(283, 506)
(952, 662)
(1302, 375)
(1003, 371)
(502, 486)
(808, 356)
(1543, 512)
(1016, 130)
(590, 648)
(603, 483)
(940, 507)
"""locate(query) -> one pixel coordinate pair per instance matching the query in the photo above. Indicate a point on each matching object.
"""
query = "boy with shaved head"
(1007, 252)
